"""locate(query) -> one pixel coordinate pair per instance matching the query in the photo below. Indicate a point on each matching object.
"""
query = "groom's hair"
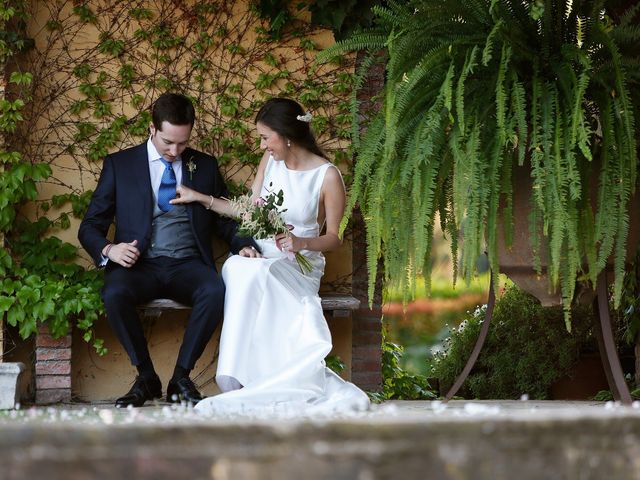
(174, 108)
(281, 116)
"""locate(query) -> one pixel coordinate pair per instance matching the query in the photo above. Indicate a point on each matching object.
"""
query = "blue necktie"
(167, 190)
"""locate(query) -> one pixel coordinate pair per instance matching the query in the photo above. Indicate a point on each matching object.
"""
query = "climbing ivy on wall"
(94, 68)
(343, 17)
(38, 280)
(105, 64)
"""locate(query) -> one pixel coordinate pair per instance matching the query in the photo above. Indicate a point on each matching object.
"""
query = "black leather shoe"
(183, 390)
(143, 389)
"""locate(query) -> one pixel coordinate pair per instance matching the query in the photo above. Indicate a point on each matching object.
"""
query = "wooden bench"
(337, 311)
(339, 306)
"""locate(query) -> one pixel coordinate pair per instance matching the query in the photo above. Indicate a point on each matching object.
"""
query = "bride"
(274, 336)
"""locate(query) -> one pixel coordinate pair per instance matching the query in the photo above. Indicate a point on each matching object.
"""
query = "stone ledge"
(527, 444)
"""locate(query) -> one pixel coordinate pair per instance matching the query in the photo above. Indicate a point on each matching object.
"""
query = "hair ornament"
(305, 118)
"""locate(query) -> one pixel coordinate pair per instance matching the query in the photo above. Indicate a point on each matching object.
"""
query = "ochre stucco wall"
(62, 42)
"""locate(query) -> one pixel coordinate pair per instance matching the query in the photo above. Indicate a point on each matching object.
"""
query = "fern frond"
(373, 143)
(394, 15)
(427, 72)
(360, 77)
(519, 109)
(469, 64)
(628, 18)
(501, 95)
(488, 48)
(367, 41)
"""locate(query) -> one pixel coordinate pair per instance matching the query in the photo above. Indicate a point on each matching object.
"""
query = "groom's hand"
(249, 252)
(125, 254)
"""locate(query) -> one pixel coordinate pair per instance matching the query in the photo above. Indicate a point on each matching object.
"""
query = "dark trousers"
(188, 281)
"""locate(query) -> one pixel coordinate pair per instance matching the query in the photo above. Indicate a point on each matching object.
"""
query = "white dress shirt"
(156, 169)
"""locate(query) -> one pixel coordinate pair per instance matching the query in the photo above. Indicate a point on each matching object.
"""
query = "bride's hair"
(281, 116)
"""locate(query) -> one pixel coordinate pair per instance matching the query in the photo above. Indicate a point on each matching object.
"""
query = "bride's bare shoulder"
(317, 160)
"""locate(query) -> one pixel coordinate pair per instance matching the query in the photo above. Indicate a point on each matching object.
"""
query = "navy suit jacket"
(124, 195)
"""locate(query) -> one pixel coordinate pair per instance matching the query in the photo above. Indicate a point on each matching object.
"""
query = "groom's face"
(170, 140)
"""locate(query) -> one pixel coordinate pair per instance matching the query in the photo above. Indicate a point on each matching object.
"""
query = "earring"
(289, 143)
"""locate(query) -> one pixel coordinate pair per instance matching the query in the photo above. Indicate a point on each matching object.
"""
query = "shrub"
(398, 384)
(528, 348)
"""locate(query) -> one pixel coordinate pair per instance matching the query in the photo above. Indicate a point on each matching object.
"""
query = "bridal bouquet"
(262, 219)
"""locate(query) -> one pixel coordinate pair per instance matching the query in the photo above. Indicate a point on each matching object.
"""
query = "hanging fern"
(475, 88)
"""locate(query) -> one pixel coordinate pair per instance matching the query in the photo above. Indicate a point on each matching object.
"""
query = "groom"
(159, 249)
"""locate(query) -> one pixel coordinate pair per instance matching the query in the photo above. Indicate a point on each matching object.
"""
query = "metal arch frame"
(607, 345)
(484, 331)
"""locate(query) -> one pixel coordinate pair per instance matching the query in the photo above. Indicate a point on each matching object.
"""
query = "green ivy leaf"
(102, 109)
(6, 262)
(40, 171)
(112, 47)
(308, 44)
(141, 14)
(54, 25)
(85, 13)
(140, 127)
(15, 315)
(28, 295)
(82, 70)
(98, 345)
(85, 130)
(34, 281)
(127, 74)
(9, 286)
(21, 78)
(30, 190)
(271, 60)
(44, 310)
(6, 303)
(78, 107)
(27, 327)
(7, 13)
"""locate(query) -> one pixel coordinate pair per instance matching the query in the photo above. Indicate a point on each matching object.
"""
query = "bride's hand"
(249, 252)
(287, 242)
(184, 195)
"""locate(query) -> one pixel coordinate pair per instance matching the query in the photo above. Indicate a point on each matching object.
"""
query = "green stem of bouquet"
(303, 263)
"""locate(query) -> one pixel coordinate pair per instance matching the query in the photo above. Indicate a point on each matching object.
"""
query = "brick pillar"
(366, 352)
(366, 365)
(53, 367)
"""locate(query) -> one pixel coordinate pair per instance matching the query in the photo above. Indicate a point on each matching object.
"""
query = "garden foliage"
(527, 349)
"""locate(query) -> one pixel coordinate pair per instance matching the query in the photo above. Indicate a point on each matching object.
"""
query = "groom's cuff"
(238, 243)
(104, 259)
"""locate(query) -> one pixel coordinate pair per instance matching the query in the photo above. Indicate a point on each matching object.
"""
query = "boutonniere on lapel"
(191, 166)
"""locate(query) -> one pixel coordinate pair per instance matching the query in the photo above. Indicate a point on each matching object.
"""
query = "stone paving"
(407, 440)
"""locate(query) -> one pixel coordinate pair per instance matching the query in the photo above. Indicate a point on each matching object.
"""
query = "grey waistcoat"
(171, 235)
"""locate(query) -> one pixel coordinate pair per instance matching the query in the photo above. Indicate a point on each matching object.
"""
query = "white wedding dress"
(274, 337)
